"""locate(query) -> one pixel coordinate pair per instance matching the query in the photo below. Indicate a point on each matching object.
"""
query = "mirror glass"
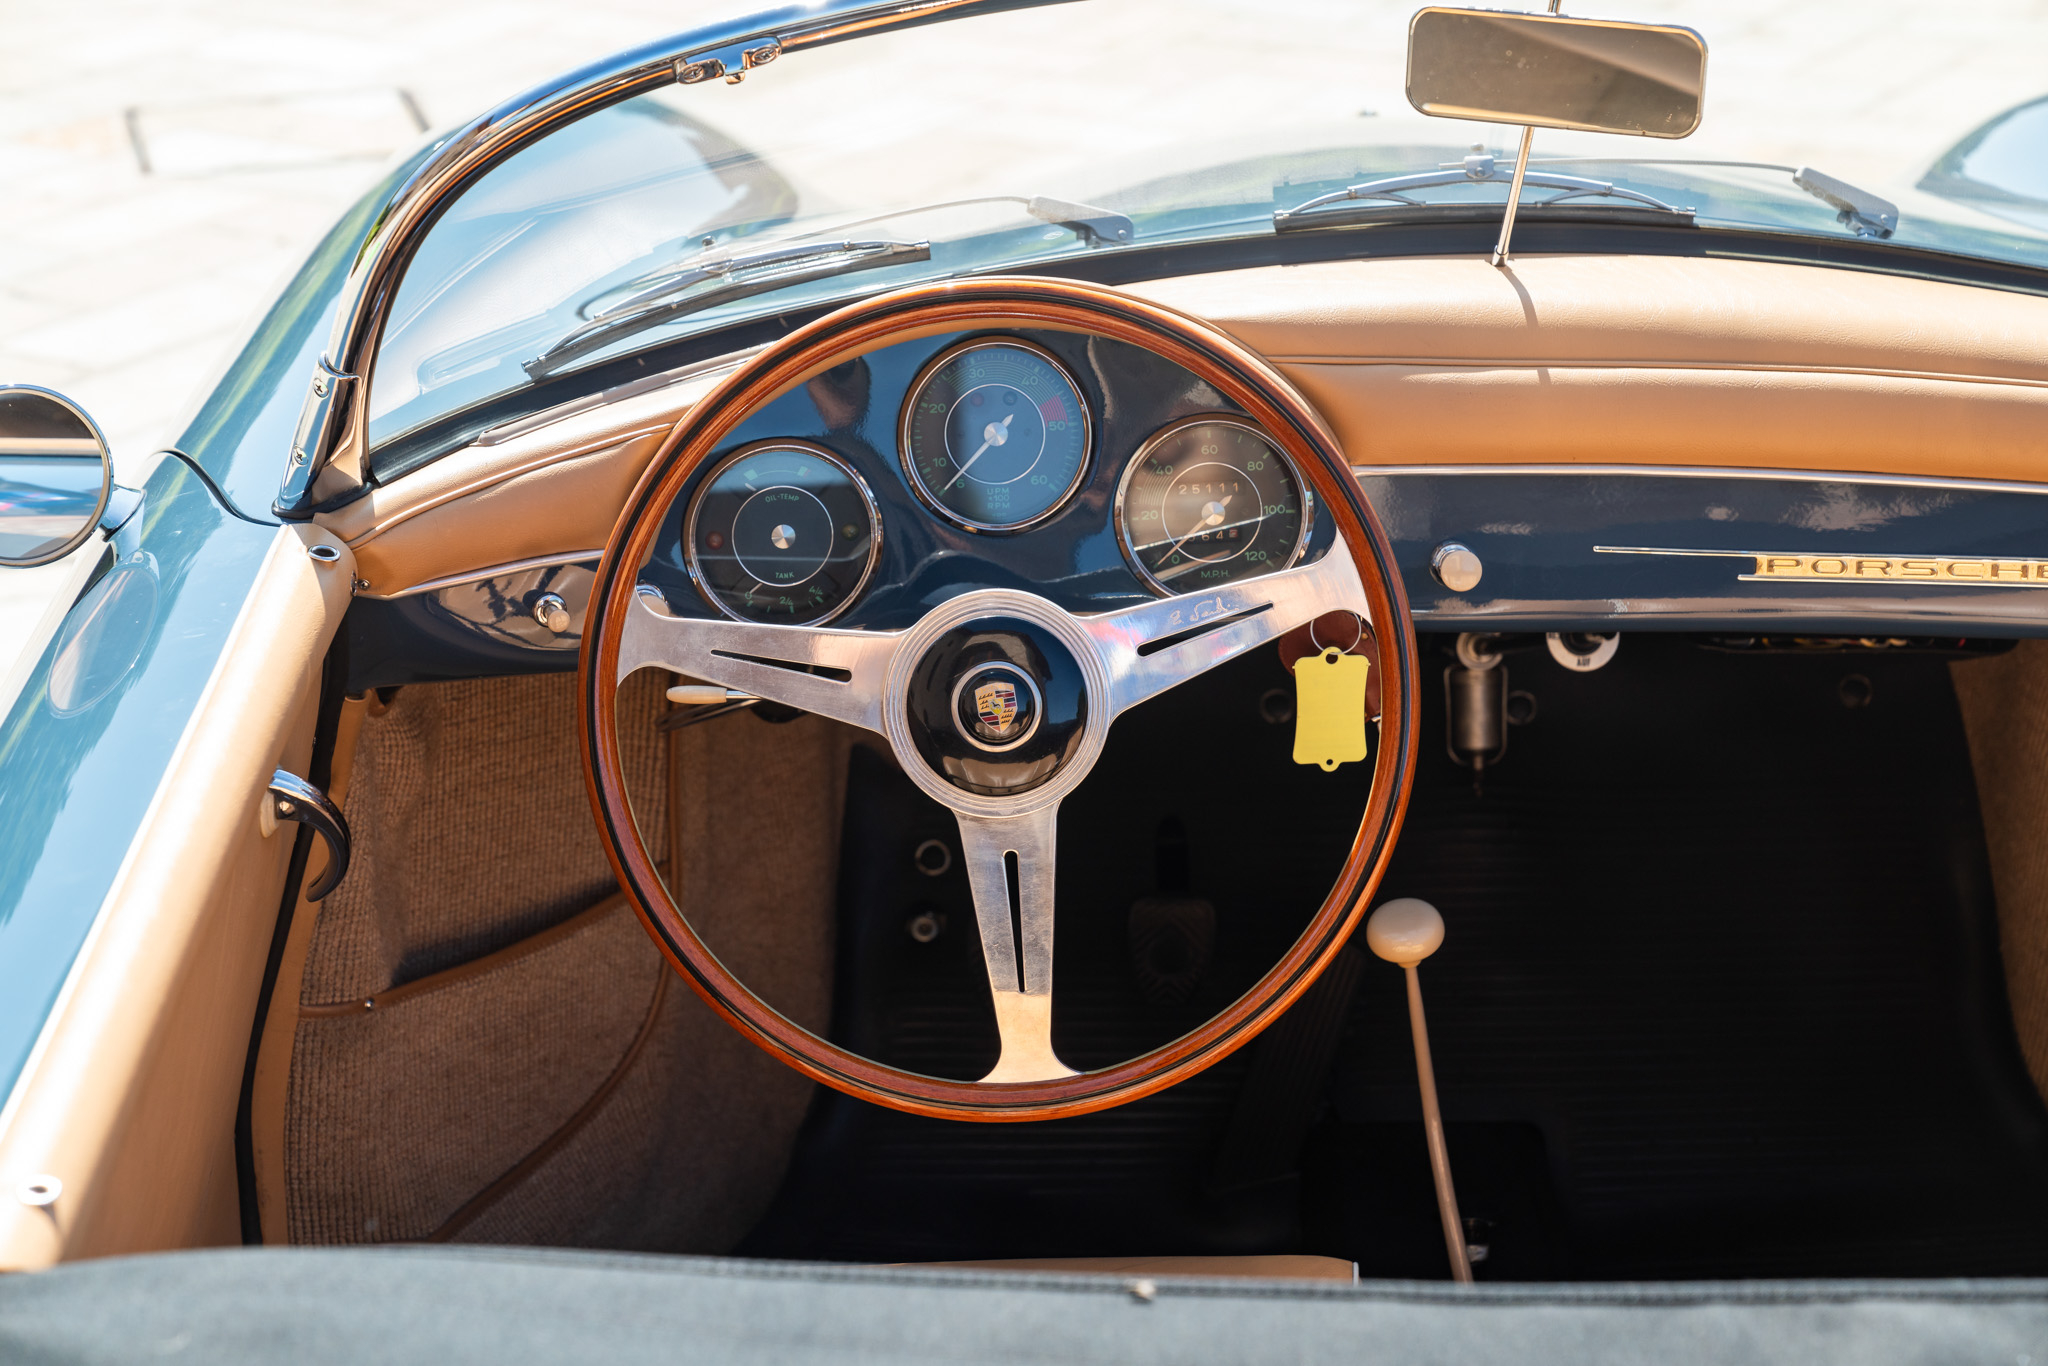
(55, 474)
(1596, 75)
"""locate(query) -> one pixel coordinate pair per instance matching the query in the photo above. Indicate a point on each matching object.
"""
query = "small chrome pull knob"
(552, 613)
(1456, 567)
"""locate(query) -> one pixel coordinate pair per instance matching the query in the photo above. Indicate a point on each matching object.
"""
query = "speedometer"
(784, 533)
(995, 434)
(1208, 500)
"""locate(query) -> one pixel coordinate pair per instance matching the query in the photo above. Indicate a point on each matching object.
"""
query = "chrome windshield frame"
(333, 431)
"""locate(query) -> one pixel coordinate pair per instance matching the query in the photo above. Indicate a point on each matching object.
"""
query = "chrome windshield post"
(333, 430)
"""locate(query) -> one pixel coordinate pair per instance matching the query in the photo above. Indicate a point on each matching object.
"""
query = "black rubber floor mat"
(1720, 995)
(1197, 787)
(1728, 943)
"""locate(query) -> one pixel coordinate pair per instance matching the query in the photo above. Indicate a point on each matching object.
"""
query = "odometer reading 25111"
(1209, 500)
(995, 435)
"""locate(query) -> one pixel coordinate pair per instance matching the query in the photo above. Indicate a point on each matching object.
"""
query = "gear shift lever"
(1407, 931)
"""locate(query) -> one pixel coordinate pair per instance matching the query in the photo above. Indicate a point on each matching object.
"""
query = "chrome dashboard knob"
(552, 613)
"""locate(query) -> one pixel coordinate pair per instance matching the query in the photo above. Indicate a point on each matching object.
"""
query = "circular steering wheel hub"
(997, 706)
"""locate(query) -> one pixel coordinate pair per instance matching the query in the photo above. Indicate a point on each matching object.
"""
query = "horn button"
(997, 706)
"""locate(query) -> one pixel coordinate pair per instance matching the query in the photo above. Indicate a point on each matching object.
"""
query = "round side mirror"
(55, 475)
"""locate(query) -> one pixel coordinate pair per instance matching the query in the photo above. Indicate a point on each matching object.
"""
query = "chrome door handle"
(292, 798)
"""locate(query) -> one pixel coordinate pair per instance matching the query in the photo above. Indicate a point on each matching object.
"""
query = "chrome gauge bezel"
(1166, 433)
(867, 496)
(924, 378)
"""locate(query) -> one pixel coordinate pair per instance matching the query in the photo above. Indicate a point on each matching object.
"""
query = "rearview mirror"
(55, 476)
(1549, 71)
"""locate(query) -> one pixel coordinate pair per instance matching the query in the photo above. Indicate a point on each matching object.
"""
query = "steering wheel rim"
(622, 623)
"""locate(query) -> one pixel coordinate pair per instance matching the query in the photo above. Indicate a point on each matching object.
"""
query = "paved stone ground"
(167, 162)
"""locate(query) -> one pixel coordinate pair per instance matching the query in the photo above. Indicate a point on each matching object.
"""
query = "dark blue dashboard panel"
(1072, 558)
(1565, 549)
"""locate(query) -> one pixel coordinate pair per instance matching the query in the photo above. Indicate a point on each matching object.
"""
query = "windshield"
(1024, 139)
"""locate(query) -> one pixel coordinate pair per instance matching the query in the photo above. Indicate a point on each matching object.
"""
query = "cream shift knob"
(1405, 931)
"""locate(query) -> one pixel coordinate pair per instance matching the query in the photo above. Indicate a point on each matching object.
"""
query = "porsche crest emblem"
(995, 703)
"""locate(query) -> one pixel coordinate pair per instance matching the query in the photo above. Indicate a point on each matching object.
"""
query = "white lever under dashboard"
(1405, 932)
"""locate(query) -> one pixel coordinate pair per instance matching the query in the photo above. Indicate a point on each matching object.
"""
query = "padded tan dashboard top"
(1634, 360)
(1641, 360)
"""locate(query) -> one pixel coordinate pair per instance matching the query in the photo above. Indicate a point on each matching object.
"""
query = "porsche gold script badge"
(1769, 566)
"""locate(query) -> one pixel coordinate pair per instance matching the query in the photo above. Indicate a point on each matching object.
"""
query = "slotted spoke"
(1010, 866)
(839, 674)
(1154, 647)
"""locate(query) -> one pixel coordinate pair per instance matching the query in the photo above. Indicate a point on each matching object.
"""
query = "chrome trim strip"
(717, 366)
(1714, 472)
(495, 571)
(340, 438)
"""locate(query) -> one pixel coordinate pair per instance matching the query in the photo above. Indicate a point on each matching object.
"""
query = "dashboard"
(1624, 443)
(1084, 469)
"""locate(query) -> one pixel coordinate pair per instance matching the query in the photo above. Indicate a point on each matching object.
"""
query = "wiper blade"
(1094, 226)
(1478, 168)
(708, 280)
(1860, 211)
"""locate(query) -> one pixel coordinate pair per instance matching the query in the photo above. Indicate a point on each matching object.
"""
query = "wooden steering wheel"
(886, 682)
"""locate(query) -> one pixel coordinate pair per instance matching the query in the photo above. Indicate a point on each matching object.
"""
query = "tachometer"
(995, 434)
(1210, 499)
(784, 533)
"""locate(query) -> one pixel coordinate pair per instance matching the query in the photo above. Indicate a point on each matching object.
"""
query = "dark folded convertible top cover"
(451, 1305)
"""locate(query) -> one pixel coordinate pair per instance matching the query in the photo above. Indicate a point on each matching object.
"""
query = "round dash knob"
(1456, 567)
(1405, 931)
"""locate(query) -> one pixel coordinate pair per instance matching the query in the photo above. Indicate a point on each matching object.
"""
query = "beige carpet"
(516, 1075)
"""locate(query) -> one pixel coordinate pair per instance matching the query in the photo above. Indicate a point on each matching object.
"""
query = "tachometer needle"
(995, 434)
(1212, 515)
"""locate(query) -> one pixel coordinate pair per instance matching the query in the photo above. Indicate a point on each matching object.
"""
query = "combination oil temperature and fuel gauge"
(783, 533)
(1208, 500)
(995, 434)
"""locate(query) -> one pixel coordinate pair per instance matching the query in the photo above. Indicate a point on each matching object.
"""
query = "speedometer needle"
(995, 434)
(1212, 515)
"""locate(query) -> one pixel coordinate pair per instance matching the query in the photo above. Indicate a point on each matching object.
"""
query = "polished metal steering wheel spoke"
(1152, 648)
(839, 674)
(1010, 868)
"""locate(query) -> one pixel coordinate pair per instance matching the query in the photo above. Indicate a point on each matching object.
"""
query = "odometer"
(1209, 500)
(783, 533)
(995, 434)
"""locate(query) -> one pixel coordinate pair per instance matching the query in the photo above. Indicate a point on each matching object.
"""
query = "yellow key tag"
(1329, 708)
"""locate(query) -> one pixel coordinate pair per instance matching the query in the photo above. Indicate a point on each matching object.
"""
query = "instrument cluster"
(994, 437)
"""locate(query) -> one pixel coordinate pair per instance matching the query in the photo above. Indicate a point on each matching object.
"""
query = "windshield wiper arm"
(1860, 211)
(1095, 226)
(1477, 168)
(707, 281)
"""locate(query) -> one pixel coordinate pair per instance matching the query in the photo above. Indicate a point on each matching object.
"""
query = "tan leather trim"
(1414, 415)
(1634, 310)
(1648, 360)
(550, 489)
(493, 506)
(1286, 1266)
(130, 1096)
(271, 1087)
